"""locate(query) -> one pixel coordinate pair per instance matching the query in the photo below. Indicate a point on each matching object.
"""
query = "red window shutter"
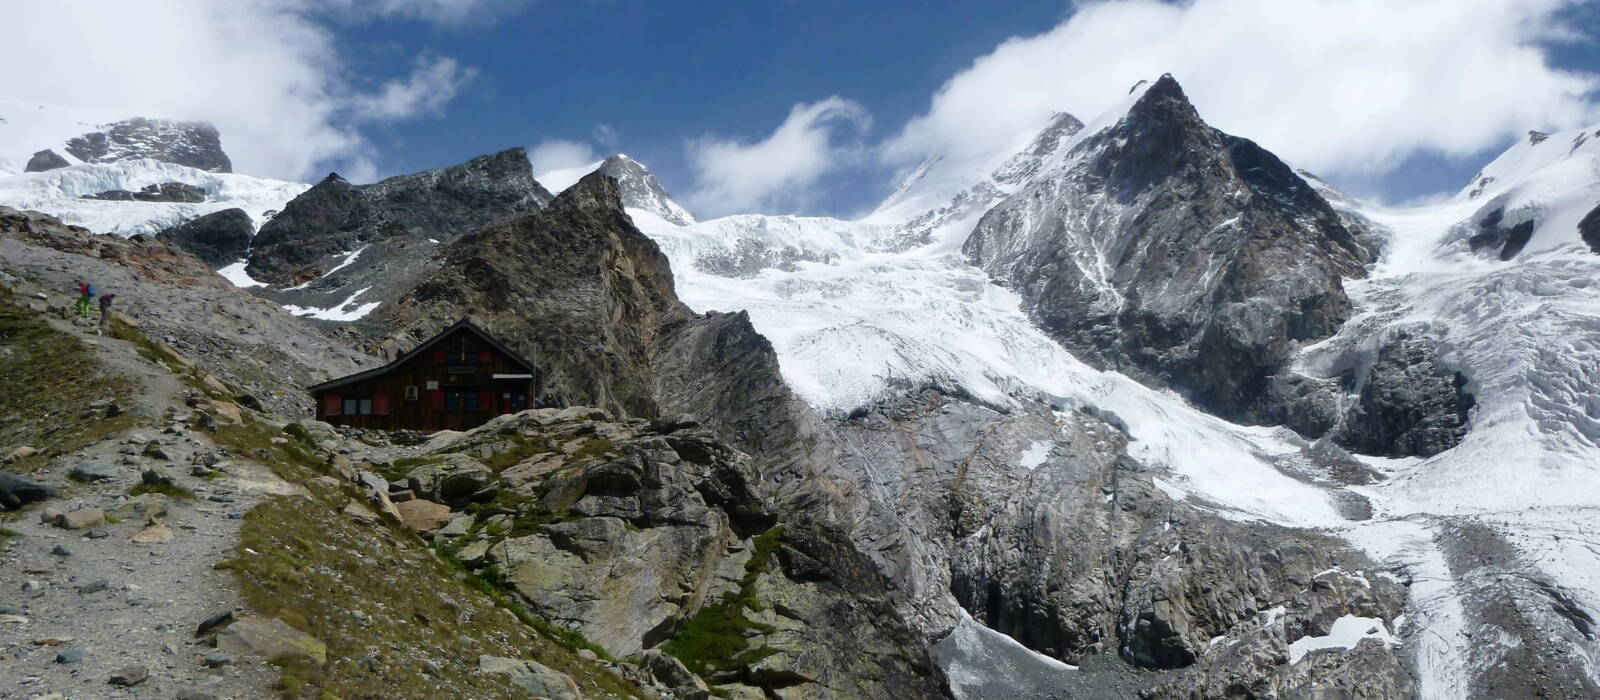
(380, 405)
(486, 402)
(436, 400)
(438, 357)
(330, 404)
(485, 358)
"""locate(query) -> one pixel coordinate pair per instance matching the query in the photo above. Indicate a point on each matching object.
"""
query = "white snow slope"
(1527, 333)
(58, 193)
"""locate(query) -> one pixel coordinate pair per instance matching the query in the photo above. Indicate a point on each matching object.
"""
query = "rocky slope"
(219, 239)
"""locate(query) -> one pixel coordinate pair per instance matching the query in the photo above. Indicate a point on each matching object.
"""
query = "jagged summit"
(335, 217)
(641, 190)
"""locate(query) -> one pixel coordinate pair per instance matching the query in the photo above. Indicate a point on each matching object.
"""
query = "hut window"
(411, 393)
(380, 405)
(352, 407)
(485, 358)
(330, 405)
(472, 401)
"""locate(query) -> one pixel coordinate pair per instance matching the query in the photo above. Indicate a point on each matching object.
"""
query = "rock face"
(1167, 248)
(641, 190)
(45, 160)
(195, 144)
(1589, 229)
(1409, 405)
(336, 217)
(650, 536)
(575, 286)
(1499, 239)
(219, 238)
(164, 192)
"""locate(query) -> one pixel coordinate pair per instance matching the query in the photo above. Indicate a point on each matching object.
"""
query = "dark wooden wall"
(462, 366)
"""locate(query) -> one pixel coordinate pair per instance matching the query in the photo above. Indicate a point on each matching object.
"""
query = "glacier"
(869, 316)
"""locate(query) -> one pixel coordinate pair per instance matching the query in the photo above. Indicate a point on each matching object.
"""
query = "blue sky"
(661, 74)
(814, 107)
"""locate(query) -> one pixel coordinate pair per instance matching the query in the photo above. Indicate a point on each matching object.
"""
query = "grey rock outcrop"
(1170, 249)
(163, 192)
(650, 541)
(45, 160)
(219, 238)
(1589, 229)
(194, 144)
(1409, 404)
(1499, 239)
(399, 214)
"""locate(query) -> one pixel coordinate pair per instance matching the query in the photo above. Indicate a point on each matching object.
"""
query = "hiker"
(85, 293)
(105, 309)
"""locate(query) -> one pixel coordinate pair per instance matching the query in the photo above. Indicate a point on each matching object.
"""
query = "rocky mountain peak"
(641, 190)
(191, 143)
(1173, 276)
(335, 217)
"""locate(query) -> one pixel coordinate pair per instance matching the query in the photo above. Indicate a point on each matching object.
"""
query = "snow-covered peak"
(1537, 155)
(640, 188)
(75, 135)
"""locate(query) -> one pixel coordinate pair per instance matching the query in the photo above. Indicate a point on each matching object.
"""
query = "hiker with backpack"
(105, 309)
(85, 293)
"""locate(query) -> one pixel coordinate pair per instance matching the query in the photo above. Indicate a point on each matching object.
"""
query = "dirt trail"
(153, 594)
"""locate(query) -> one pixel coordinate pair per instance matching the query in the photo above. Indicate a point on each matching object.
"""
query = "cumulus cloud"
(267, 72)
(432, 84)
(1337, 86)
(778, 172)
(557, 164)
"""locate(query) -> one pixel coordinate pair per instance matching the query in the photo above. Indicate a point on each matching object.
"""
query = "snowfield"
(59, 193)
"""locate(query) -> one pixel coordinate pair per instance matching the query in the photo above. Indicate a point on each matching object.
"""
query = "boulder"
(270, 639)
(45, 160)
(93, 470)
(453, 480)
(423, 516)
(130, 676)
(670, 672)
(538, 679)
(15, 491)
(81, 519)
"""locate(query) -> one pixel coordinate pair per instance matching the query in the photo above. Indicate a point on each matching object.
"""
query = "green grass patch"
(8, 532)
(169, 490)
(50, 378)
(715, 638)
(302, 560)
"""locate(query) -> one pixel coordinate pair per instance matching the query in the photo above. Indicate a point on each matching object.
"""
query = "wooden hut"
(455, 380)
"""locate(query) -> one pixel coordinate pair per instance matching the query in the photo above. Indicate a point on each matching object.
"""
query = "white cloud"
(606, 135)
(778, 172)
(432, 84)
(266, 72)
(557, 164)
(1338, 86)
